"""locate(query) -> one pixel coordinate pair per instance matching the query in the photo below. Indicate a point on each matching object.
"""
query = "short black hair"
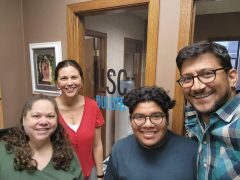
(147, 94)
(196, 49)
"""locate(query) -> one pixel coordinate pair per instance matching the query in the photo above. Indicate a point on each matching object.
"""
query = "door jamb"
(75, 39)
(75, 29)
(187, 16)
(1, 111)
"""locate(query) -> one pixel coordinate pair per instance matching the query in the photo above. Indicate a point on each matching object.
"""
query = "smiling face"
(40, 121)
(207, 98)
(69, 81)
(149, 135)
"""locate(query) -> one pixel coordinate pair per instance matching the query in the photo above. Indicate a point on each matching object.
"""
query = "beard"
(217, 105)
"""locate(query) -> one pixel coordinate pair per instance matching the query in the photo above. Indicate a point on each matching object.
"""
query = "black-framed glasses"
(155, 118)
(205, 76)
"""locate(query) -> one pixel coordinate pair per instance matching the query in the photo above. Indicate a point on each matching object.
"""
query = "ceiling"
(217, 6)
(141, 12)
(203, 7)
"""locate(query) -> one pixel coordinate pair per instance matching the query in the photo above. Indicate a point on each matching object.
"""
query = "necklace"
(72, 120)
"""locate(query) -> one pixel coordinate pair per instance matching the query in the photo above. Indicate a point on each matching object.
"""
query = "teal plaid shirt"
(219, 141)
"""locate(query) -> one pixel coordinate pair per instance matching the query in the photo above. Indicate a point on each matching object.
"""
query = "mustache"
(201, 94)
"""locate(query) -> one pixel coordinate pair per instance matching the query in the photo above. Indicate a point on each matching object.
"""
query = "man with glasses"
(208, 82)
(153, 152)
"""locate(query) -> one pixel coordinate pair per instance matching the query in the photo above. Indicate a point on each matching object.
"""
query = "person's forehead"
(147, 106)
(70, 69)
(41, 102)
(203, 61)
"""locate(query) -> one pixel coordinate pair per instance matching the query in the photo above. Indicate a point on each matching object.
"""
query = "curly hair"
(17, 142)
(146, 94)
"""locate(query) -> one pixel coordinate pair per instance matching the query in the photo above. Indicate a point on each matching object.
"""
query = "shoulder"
(181, 145)
(181, 140)
(75, 162)
(3, 151)
(2, 145)
(90, 101)
(124, 144)
(91, 106)
(75, 167)
(122, 150)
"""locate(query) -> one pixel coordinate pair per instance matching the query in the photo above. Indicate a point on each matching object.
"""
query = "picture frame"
(44, 58)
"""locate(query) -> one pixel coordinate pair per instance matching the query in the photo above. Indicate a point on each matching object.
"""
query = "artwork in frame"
(44, 58)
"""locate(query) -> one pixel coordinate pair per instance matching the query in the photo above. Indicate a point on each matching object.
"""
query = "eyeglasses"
(206, 76)
(155, 118)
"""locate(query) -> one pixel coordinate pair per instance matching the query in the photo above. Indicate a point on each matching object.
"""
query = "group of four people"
(40, 149)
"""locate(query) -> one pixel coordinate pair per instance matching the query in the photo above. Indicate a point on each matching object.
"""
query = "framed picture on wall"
(44, 58)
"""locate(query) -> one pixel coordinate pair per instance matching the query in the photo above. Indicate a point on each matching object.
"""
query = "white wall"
(117, 26)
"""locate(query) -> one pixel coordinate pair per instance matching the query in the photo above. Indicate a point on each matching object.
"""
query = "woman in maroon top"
(81, 118)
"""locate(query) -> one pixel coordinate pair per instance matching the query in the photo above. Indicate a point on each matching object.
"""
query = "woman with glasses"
(153, 152)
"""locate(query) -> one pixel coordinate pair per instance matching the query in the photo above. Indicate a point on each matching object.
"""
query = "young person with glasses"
(208, 82)
(153, 152)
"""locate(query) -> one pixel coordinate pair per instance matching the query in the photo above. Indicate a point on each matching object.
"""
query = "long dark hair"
(17, 142)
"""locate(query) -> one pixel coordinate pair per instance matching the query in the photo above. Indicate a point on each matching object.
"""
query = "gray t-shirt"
(175, 159)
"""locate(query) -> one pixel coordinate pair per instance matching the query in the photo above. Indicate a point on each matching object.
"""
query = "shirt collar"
(229, 109)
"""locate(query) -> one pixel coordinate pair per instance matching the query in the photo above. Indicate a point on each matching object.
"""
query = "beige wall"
(13, 77)
(167, 46)
(224, 25)
(45, 21)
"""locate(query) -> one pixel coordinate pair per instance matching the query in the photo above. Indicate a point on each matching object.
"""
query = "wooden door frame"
(100, 35)
(131, 40)
(75, 39)
(186, 29)
(1, 111)
(103, 36)
(75, 29)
